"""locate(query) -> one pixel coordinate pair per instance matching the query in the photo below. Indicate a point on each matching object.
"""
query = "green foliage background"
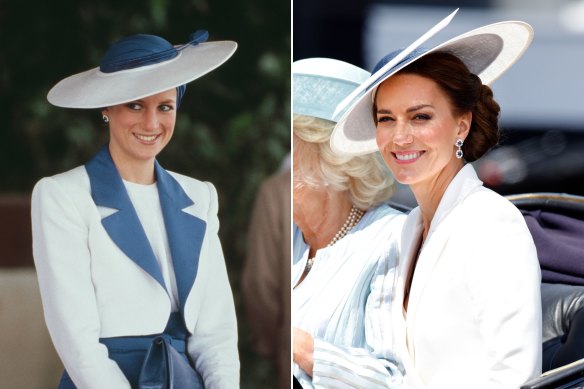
(233, 127)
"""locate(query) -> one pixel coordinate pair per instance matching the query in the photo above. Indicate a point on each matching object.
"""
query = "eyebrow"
(411, 109)
(140, 101)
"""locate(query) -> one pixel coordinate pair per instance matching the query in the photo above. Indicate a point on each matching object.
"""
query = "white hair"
(365, 178)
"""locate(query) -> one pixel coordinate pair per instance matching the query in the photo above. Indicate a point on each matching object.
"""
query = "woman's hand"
(303, 349)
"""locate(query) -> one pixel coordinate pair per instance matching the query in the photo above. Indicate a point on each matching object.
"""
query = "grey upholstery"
(563, 324)
(560, 303)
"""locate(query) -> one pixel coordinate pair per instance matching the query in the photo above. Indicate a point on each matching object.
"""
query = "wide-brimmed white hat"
(139, 66)
(320, 84)
(487, 52)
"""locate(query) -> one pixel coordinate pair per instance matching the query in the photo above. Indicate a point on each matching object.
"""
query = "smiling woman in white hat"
(124, 249)
(345, 243)
(467, 309)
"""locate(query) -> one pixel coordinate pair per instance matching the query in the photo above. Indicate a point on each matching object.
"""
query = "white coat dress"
(474, 313)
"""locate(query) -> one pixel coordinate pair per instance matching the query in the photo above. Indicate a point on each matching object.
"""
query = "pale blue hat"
(320, 84)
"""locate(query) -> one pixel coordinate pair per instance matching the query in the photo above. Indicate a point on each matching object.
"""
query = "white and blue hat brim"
(487, 51)
(96, 89)
(320, 84)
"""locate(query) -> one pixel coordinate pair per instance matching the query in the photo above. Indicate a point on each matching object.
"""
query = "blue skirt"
(129, 351)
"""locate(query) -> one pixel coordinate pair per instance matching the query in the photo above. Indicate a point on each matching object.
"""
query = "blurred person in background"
(124, 249)
(265, 280)
(345, 243)
(467, 308)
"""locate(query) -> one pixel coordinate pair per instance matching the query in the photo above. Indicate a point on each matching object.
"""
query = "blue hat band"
(142, 50)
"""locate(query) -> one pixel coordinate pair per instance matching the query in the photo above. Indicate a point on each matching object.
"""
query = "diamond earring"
(458, 144)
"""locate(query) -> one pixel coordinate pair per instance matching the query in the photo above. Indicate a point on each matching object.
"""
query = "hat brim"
(96, 89)
(487, 51)
(319, 84)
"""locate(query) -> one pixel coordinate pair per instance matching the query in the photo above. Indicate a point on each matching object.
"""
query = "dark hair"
(467, 94)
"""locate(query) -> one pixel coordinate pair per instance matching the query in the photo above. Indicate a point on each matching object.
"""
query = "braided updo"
(467, 94)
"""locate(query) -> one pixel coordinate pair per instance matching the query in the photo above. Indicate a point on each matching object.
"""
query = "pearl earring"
(458, 144)
(105, 118)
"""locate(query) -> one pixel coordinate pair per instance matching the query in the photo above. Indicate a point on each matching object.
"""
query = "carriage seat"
(556, 222)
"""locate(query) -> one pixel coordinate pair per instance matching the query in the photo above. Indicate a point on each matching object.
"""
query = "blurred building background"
(542, 114)
(233, 129)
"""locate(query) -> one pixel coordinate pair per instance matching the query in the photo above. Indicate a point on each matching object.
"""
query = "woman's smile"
(146, 139)
(405, 157)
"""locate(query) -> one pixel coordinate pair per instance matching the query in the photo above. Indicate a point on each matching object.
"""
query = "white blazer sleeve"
(503, 281)
(372, 367)
(213, 345)
(63, 261)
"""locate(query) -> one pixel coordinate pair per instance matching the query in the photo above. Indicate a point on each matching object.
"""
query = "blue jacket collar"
(185, 231)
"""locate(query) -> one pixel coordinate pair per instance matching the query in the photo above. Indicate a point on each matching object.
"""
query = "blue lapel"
(185, 232)
(123, 227)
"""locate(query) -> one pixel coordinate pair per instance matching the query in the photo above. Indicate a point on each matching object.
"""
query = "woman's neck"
(132, 170)
(320, 223)
(429, 193)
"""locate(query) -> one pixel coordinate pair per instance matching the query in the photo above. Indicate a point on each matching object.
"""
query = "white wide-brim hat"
(487, 52)
(95, 88)
(320, 84)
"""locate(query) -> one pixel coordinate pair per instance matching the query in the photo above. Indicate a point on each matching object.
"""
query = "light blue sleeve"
(372, 366)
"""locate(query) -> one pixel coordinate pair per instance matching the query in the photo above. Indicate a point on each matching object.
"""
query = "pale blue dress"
(345, 303)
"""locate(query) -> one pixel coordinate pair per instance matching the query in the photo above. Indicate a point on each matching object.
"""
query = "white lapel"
(410, 235)
(463, 184)
(430, 255)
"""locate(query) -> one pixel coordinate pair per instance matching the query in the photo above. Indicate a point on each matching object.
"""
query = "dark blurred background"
(542, 108)
(233, 127)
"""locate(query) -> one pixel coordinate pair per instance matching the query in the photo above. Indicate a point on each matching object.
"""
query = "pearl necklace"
(352, 220)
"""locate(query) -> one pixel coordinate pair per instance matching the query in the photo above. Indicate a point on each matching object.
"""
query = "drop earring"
(105, 118)
(458, 144)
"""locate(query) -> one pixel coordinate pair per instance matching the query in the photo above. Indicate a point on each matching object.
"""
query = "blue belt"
(175, 333)
(129, 351)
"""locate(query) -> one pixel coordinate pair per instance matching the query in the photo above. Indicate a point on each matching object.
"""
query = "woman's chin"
(405, 178)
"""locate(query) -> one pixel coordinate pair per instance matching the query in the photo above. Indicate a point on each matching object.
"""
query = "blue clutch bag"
(165, 368)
